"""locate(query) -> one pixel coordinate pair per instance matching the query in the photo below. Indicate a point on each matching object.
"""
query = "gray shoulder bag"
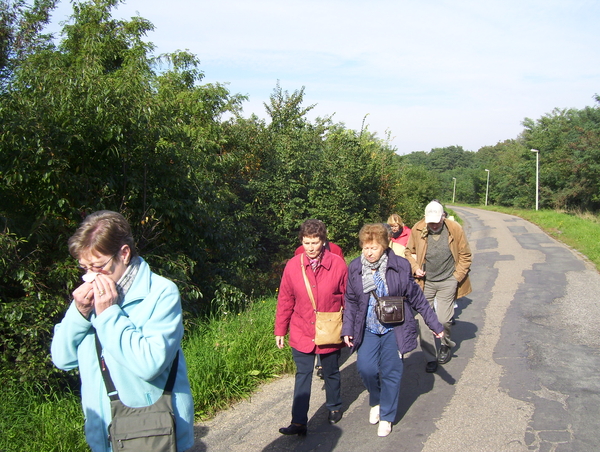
(150, 428)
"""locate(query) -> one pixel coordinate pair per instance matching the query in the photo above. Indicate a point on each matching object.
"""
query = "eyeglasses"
(97, 268)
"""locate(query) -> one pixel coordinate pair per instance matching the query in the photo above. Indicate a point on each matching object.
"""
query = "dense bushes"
(98, 122)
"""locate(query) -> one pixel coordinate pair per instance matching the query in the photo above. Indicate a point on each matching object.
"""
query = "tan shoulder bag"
(328, 325)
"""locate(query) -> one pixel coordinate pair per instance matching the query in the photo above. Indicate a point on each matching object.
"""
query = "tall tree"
(21, 35)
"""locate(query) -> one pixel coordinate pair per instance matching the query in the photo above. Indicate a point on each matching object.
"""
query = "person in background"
(137, 317)
(381, 346)
(400, 234)
(394, 246)
(440, 258)
(327, 274)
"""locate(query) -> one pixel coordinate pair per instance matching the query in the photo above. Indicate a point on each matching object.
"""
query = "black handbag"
(389, 309)
(150, 428)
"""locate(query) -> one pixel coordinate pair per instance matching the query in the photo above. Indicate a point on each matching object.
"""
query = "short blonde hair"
(395, 219)
(375, 232)
(104, 232)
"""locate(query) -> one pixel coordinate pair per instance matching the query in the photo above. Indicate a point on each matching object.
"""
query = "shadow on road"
(462, 331)
(199, 432)
(321, 434)
(325, 437)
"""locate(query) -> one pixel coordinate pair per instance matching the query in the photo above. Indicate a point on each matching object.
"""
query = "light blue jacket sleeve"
(68, 334)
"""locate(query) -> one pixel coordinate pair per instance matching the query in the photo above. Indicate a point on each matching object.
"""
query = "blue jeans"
(380, 367)
(305, 363)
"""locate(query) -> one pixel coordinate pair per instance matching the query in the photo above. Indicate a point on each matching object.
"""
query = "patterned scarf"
(126, 281)
(367, 271)
(314, 263)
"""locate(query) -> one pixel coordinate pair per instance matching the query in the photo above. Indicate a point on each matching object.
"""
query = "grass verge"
(229, 357)
(31, 421)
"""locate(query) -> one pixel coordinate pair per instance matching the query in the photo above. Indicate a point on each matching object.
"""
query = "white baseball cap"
(433, 212)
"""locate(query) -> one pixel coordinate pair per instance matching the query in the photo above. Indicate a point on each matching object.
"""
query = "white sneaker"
(384, 429)
(374, 415)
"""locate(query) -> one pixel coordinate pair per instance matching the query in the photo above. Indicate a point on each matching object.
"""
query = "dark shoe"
(319, 372)
(334, 416)
(452, 321)
(431, 367)
(293, 429)
(444, 354)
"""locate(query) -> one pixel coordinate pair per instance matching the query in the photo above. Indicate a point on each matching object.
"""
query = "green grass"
(228, 358)
(31, 421)
(580, 231)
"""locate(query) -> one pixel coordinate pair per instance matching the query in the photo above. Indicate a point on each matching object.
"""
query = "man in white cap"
(440, 258)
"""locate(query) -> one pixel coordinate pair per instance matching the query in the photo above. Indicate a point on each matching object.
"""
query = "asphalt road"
(524, 375)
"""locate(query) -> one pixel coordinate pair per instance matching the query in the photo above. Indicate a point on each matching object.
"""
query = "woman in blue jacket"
(138, 319)
(380, 347)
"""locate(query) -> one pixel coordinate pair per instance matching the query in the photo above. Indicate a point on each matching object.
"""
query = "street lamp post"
(487, 186)
(454, 190)
(537, 178)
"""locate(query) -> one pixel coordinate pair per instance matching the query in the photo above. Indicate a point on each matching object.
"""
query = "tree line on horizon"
(97, 121)
(568, 142)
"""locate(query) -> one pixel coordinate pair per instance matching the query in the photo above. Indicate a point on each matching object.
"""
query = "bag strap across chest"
(308, 288)
(113, 394)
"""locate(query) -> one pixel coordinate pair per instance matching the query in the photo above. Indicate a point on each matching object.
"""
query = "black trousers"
(305, 363)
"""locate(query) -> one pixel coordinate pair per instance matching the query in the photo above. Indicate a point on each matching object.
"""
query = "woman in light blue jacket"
(138, 319)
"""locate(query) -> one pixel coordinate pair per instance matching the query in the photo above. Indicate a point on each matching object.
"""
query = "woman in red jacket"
(326, 273)
(400, 232)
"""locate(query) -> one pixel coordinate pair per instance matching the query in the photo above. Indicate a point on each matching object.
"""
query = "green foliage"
(228, 357)
(99, 122)
(294, 169)
(34, 419)
(29, 308)
(416, 187)
(569, 144)
(229, 301)
(20, 34)
(569, 173)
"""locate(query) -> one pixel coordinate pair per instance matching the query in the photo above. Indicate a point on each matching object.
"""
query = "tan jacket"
(416, 248)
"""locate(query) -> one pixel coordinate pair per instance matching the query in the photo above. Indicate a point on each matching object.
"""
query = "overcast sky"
(433, 73)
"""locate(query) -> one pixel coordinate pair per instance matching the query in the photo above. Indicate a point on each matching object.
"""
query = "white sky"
(434, 73)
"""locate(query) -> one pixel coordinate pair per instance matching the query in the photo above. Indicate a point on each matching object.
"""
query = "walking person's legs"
(367, 363)
(427, 339)
(332, 378)
(391, 367)
(302, 386)
(446, 295)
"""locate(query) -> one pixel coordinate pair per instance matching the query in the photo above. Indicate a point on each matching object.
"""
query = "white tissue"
(89, 277)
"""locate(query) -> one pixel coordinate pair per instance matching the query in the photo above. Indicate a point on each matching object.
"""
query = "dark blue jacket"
(400, 282)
